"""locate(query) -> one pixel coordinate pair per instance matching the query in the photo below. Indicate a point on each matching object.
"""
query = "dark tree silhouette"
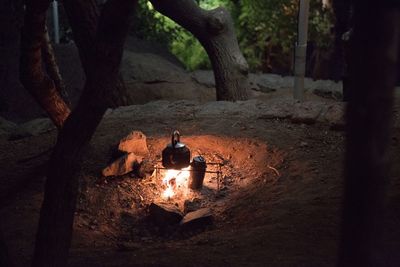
(56, 217)
(83, 17)
(342, 12)
(372, 70)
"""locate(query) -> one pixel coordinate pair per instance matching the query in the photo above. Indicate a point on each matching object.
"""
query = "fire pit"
(222, 170)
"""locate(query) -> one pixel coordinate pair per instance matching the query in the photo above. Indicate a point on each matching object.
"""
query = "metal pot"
(196, 178)
(175, 155)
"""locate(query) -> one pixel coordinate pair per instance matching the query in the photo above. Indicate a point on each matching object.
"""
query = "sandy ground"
(265, 218)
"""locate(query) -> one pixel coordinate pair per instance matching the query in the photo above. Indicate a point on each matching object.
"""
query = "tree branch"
(52, 69)
(32, 76)
(83, 17)
(215, 31)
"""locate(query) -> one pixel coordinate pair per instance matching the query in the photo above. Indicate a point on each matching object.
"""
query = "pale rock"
(135, 142)
(197, 219)
(307, 112)
(122, 165)
(335, 115)
(278, 110)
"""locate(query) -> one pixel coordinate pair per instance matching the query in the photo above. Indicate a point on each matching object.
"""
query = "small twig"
(275, 170)
(141, 198)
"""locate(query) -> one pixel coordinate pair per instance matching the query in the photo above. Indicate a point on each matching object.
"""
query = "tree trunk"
(56, 218)
(52, 67)
(32, 76)
(373, 73)
(83, 17)
(5, 259)
(342, 12)
(215, 31)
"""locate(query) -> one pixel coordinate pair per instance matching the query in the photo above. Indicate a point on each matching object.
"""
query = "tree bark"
(83, 17)
(342, 12)
(5, 259)
(52, 69)
(56, 218)
(215, 31)
(373, 73)
(32, 76)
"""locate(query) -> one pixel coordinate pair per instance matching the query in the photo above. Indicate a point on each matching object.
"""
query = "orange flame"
(175, 180)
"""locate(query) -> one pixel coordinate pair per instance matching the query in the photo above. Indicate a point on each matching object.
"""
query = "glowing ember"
(175, 180)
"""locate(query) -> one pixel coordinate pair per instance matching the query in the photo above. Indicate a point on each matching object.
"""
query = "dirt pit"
(119, 206)
(262, 217)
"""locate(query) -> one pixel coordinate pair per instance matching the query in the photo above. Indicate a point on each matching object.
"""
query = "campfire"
(179, 174)
(174, 187)
(175, 182)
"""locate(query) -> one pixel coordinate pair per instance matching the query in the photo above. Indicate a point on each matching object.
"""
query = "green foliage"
(150, 25)
(189, 50)
(261, 26)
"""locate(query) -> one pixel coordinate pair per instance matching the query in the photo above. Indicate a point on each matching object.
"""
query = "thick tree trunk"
(83, 17)
(373, 74)
(215, 31)
(56, 218)
(5, 259)
(32, 76)
(52, 69)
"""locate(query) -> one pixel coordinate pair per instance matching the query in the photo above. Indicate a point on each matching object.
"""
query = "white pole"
(301, 49)
(56, 27)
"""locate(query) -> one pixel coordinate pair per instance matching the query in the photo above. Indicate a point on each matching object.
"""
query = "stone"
(197, 219)
(151, 77)
(164, 215)
(267, 81)
(122, 165)
(33, 128)
(306, 112)
(204, 77)
(335, 116)
(278, 110)
(135, 142)
(216, 108)
(6, 128)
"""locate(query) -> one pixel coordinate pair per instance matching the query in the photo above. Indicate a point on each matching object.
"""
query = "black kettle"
(175, 155)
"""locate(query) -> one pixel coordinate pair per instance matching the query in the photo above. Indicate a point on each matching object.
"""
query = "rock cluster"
(134, 151)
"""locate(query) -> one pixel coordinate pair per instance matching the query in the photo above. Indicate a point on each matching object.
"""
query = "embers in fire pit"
(175, 182)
